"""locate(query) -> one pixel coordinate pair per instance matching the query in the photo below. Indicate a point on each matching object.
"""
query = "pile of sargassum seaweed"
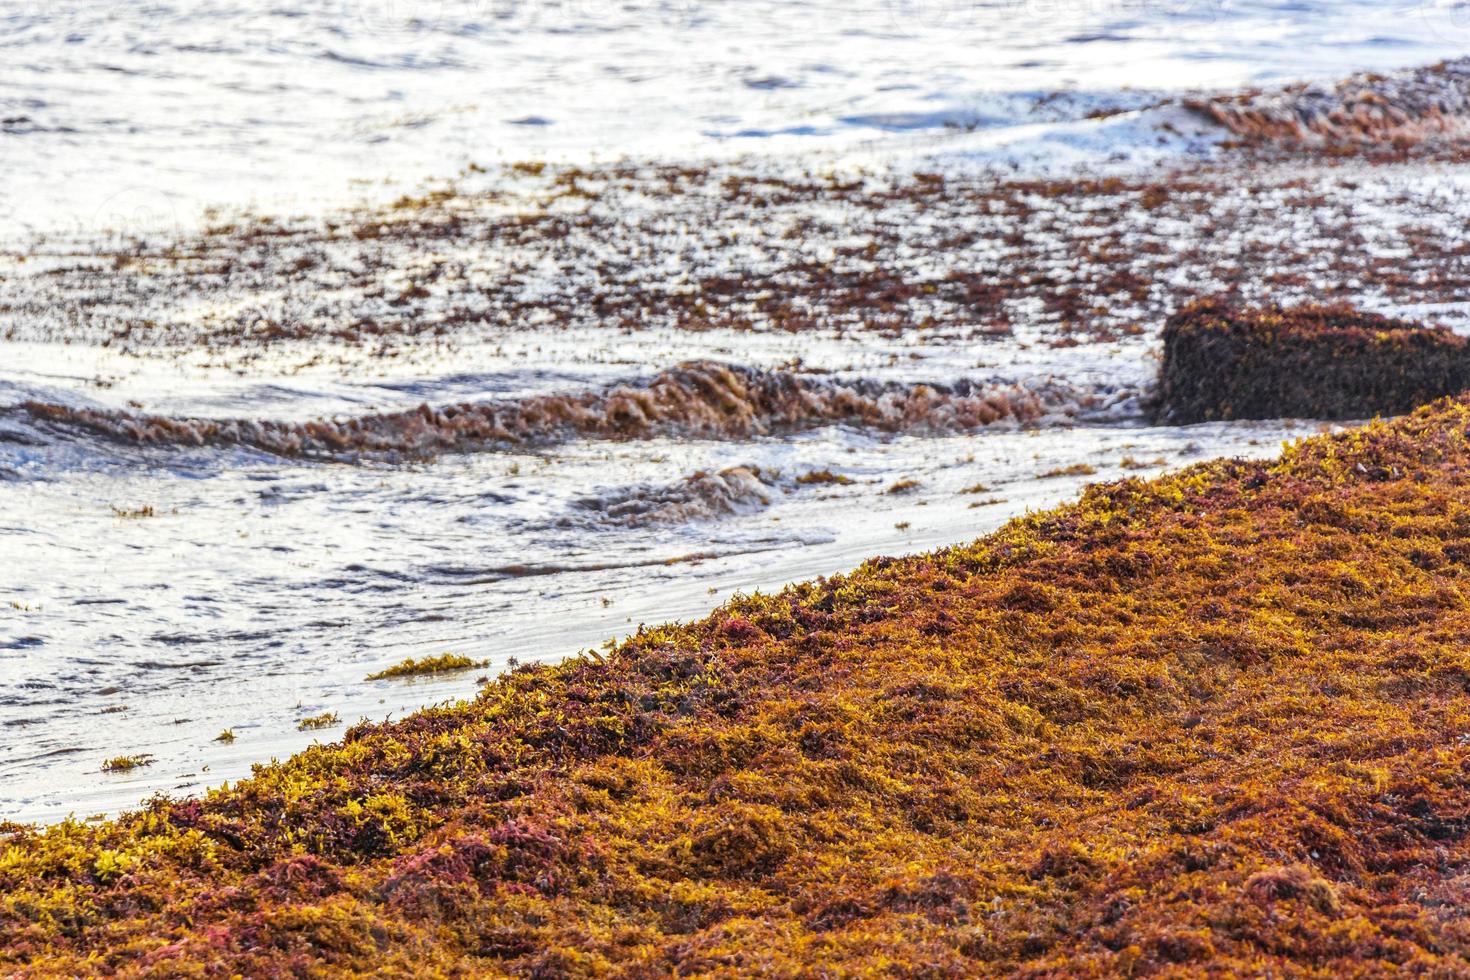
(1217, 719)
(1324, 362)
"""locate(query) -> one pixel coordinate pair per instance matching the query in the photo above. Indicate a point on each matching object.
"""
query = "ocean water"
(157, 593)
(142, 113)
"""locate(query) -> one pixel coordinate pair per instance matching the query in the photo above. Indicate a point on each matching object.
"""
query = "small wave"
(700, 399)
(1405, 107)
(700, 497)
(19, 437)
(489, 575)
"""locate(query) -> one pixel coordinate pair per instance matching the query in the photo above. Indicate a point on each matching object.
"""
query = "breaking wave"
(1405, 107)
(702, 496)
(701, 399)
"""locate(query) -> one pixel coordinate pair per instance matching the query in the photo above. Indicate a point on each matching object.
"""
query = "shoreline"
(1045, 288)
(512, 618)
(1207, 714)
(1138, 731)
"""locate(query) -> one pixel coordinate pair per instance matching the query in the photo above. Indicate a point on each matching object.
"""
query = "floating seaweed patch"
(443, 664)
(1403, 108)
(127, 763)
(823, 478)
(1075, 469)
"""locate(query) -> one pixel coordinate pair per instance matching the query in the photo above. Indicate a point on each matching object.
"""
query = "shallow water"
(256, 592)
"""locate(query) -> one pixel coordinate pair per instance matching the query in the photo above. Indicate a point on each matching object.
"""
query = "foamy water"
(221, 503)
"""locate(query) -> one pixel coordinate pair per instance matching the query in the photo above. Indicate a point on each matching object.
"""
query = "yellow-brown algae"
(1212, 721)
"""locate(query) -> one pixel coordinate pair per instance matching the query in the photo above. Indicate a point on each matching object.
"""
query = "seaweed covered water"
(145, 112)
(258, 441)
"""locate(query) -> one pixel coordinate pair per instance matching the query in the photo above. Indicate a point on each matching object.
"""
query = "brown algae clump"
(1326, 362)
(442, 664)
(1210, 722)
(127, 763)
(1076, 469)
(823, 478)
(317, 722)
